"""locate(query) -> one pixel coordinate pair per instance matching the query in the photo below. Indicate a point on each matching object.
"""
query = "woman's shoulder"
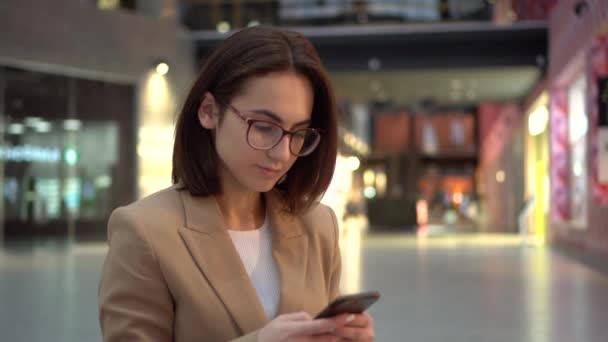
(163, 199)
(160, 209)
(320, 213)
(321, 220)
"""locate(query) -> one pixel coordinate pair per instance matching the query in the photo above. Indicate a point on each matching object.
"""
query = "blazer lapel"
(290, 253)
(213, 251)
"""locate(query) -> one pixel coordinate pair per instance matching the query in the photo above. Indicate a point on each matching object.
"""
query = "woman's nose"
(281, 150)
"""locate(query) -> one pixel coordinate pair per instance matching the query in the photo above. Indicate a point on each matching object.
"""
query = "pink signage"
(599, 70)
(560, 161)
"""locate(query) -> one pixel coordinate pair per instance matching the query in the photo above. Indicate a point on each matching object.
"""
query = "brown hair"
(252, 52)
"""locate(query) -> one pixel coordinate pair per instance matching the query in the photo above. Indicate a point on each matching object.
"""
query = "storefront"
(533, 217)
(66, 153)
(577, 78)
(500, 175)
(429, 157)
(87, 115)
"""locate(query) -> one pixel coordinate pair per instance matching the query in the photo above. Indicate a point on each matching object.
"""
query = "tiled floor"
(48, 292)
(457, 289)
(482, 289)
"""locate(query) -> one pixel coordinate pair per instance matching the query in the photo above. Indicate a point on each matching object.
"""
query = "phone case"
(354, 303)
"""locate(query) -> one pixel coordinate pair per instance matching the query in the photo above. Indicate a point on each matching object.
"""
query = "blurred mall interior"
(471, 181)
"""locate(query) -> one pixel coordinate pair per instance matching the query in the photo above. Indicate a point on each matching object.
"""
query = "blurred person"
(239, 248)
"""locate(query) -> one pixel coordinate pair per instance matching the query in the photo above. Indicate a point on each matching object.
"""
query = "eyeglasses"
(264, 135)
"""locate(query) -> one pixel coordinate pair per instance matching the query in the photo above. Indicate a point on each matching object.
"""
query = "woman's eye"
(299, 137)
(264, 128)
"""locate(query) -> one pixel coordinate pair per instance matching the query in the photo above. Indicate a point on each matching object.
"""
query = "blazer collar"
(213, 251)
(203, 215)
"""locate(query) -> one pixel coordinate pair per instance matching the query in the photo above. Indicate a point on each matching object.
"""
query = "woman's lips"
(270, 172)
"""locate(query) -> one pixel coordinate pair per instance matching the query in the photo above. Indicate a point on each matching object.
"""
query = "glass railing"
(224, 15)
(110, 5)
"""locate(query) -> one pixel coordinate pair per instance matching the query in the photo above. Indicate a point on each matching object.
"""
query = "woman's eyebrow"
(275, 117)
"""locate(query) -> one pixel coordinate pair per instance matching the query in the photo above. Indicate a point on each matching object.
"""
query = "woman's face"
(285, 98)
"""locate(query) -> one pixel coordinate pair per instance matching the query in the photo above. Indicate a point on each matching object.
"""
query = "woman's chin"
(264, 186)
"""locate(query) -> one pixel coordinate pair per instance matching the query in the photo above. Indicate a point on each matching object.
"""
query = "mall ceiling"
(440, 86)
(448, 64)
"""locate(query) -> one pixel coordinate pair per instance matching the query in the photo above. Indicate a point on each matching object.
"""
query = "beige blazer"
(172, 272)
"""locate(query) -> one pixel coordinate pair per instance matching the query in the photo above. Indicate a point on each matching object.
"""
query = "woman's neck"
(241, 211)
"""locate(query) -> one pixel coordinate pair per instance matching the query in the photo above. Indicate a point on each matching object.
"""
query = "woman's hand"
(299, 327)
(356, 327)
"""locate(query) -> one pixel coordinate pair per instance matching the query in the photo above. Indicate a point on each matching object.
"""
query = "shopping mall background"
(472, 116)
(472, 180)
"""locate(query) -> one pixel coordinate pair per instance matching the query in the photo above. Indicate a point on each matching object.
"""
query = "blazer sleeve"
(251, 337)
(134, 301)
(336, 260)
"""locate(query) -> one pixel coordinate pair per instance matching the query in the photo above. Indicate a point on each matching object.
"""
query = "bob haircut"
(254, 52)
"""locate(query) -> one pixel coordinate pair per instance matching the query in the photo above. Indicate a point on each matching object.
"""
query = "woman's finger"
(322, 338)
(354, 333)
(357, 320)
(312, 327)
(296, 316)
(342, 319)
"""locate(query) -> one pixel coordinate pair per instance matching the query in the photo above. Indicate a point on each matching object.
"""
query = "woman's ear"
(208, 112)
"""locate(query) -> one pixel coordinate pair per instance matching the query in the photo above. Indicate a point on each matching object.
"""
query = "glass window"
(63, 144)
(577, 138)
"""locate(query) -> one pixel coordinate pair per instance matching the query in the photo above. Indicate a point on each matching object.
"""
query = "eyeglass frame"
(250, 121)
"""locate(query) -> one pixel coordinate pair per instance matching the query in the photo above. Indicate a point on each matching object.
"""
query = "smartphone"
(353, 303)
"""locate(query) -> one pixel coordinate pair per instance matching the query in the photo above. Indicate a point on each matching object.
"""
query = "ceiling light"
(70, 156)
(578, 127)
(16, 128)
(369, 192)
(162, 68)
(72, 124)
(578, 169)
(108, 4)
(32, 121)
(538, 120)
(43, 127)
(103, 182)
(369, 177)
(381, 182)
(457, 197)
(500, 176)
(353, 163)
(223, 27)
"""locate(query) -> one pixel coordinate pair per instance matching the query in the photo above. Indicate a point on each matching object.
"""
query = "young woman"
(239, 247)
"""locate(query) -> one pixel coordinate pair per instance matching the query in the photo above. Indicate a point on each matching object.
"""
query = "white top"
(255, 249)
